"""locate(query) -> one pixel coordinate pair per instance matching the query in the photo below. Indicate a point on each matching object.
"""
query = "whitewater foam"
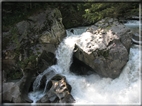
(97, 90)
(64, 53)
(76, 31)
(93, 89)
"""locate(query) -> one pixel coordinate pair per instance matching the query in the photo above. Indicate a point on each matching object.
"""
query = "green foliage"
(24, 63)
(13, 12)
(14, 74)
(22, 49)
(97, 11)
(74, 14)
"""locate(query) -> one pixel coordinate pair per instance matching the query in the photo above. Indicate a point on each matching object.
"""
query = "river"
(93, 89)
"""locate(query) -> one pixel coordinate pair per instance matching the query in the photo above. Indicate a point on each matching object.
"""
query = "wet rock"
(25, 83)
(105, 47)
(137, 39)
(61, 89)
(42, 79)
(45, 60)
(44, 99)
(67, 99)
(56, 88)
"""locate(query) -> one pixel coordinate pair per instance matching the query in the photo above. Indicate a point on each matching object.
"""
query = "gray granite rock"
(105, 47)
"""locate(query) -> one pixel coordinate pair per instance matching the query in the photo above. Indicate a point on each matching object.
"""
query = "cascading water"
(134, 25)
(93, 89)
(97, 90)
(64, 59)
(64, 53)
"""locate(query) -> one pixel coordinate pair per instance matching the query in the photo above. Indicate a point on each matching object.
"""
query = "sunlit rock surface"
(56, 88)
(105, 47)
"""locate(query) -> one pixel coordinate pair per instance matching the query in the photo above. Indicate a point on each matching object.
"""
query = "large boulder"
(55, 86)
(56, 31)
(60, 90)
(26, 53)
(104, 47)
(27, 44)
(11, 93)
(44, 99)
(17, 91)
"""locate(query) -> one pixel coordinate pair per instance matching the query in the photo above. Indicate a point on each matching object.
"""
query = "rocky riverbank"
(29, 49)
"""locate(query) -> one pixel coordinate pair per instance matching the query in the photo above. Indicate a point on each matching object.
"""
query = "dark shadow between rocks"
(80, 68)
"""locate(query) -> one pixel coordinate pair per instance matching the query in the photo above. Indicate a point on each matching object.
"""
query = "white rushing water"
(35, 96)
(76, 31)
(64, 53)
(132, 23)
(93, 89)
(97, 90)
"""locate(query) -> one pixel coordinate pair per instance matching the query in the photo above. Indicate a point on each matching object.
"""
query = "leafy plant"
(74, 14)
(97, 11)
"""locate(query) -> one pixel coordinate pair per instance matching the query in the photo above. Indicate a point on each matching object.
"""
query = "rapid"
(93, 89)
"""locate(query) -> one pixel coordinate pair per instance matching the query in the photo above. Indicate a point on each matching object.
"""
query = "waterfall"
(64, 53)
(64, 59)
(36, 83)
(35, 96)
(93, 89)
(53, 69)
